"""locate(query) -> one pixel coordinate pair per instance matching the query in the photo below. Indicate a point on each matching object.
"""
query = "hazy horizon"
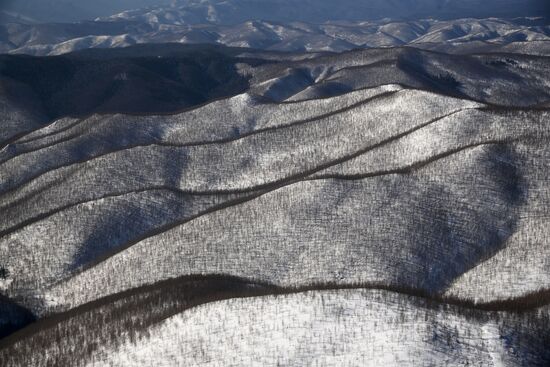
(75, 10)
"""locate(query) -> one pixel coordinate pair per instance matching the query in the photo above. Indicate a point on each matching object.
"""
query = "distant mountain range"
(524, 35)
(71, 10)
(238, 11)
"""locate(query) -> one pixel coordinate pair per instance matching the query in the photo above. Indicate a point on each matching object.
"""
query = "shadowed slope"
(78, 86)
(12, 316)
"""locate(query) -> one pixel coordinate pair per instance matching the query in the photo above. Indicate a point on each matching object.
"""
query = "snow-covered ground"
(330, 328)
(354, 188)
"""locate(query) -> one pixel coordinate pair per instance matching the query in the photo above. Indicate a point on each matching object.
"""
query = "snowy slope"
(350, 328)
(180, 196)
(353, 327)
(382, 206)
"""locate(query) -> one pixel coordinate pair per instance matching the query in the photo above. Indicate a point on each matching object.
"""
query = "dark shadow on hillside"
(466, 233)
(134, 81)
(12, 316)
(127, 219)
(414, 62)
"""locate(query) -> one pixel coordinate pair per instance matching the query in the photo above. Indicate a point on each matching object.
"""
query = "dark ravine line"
(200, 142)
(35, 149)
(511, 54)
(486, 106)
(51, 133)
(526, 303)
(9, 141)
(253, 188)
(22, 134)
(67, 127)
(51, 144)
(263, 100)
(510, 109)
(65, 139)
(32, 194)
(402, 170)
(412, 167)
(52, 320)
(47, 214)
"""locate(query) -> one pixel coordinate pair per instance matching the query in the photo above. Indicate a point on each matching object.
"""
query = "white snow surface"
(319, 328)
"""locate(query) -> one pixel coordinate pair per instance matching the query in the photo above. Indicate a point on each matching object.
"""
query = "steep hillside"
(186, 185)
(380, 206)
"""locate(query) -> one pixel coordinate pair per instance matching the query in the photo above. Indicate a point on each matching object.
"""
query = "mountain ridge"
(479, 35)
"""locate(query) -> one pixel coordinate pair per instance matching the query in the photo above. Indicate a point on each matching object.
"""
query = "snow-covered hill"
(350, 328)
(390, 205)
